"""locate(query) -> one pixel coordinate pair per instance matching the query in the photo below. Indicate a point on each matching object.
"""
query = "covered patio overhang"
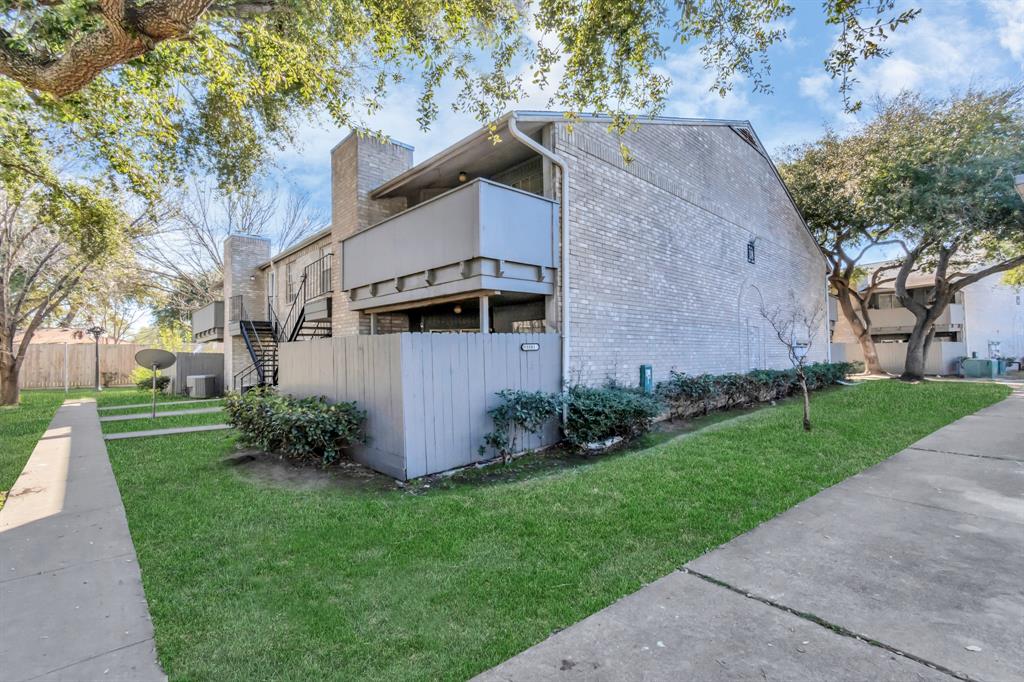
(476, 156)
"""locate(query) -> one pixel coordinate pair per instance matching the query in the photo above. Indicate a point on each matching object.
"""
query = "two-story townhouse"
(558, 261)
(985, 320)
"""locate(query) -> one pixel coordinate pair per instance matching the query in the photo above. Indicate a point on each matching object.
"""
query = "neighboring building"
(985, 319)
(670, 259)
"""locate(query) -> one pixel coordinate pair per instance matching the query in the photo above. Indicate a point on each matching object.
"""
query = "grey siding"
(187, 364)
(658, 253)
(426, 395)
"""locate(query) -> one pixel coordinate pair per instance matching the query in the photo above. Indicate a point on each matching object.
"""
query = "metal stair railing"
(293, 321)
(253, 340)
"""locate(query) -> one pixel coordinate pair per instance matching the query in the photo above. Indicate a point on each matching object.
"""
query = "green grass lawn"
(145, 423)
(251, 582)
(21, 426)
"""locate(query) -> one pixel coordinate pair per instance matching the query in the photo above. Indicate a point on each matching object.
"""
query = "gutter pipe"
(563, 214)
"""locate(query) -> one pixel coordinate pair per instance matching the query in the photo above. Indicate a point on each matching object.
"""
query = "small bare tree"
(797, 326)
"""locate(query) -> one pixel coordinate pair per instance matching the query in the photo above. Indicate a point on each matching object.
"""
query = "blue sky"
(952, 44)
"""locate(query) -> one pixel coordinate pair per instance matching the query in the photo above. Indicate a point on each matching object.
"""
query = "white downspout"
(563, 212)
(828, 319)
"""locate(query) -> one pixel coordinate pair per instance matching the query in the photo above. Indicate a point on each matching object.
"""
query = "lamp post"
(96, 331)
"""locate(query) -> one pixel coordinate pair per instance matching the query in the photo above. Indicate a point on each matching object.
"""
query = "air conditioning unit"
(201, 385)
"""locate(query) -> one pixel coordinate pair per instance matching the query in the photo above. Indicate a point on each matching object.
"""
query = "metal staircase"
(262, 337)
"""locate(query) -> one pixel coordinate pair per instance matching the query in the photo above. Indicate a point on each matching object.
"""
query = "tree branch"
(129, 31)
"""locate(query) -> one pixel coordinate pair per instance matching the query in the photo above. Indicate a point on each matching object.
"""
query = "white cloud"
(690, 94)
(818, 87)
(941, 51)
(1009, 15)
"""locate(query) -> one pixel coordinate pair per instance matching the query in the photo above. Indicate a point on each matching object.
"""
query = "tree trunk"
(859, 328)
(9, 393)
(917, 352)
(807, 400)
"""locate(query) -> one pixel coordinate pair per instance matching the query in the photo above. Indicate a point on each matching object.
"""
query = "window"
(289, 280)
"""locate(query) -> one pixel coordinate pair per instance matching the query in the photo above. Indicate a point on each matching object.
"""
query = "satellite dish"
(155, 358)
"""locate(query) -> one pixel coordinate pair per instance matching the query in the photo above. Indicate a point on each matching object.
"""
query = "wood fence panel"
(45, 367)
(426, 395)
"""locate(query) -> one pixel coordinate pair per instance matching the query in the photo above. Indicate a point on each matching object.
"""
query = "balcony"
(478, 238)
(208, 323)
(901, 320)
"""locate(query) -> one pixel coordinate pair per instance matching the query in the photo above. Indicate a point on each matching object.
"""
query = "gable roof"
(532, 122)
(297, 246)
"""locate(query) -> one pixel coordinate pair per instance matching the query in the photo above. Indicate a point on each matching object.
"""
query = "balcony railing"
(318, 277)
(900, 319)
(482, 236)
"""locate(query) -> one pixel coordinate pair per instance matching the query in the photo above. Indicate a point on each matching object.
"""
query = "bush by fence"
(305, 430)
(597, 415)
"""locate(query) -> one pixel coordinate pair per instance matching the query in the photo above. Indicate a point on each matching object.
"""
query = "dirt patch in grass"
(274, 470)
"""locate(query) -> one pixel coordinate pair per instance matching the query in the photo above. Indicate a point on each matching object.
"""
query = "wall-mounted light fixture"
(751, 255)
(252, 278)
(462, 176)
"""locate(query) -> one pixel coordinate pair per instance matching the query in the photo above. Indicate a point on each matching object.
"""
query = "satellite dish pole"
(155, 359)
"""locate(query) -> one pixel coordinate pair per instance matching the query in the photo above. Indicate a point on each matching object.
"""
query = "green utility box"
(646, 378)
(979, 369)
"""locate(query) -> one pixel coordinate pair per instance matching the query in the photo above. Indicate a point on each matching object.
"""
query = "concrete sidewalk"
(71, 599)
(910, 570)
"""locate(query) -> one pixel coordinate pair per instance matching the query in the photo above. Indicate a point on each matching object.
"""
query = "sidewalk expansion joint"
(838, 629)
(87, 659)
(939, 508)
(965, 454)
(59, 569)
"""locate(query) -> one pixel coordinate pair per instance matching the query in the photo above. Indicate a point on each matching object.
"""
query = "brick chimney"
(360, 164)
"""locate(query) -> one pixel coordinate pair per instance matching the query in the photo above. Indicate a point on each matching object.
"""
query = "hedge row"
(311, 429)
(306, 429)
(597, 415)
(686, 395)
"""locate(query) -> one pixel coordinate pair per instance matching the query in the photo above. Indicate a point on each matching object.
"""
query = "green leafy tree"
(942, 172)
(825, 178)
(52, 232)
(150, 88)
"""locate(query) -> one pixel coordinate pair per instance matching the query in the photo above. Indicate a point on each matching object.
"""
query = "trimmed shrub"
(600, 414)
(690, 395)
(300, 429)
(143, 378)
(520, 412)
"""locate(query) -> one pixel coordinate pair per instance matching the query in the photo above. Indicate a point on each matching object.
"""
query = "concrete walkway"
(170, 413)
(166, 432)
(911, 570)
(159, 404)
(71, 599)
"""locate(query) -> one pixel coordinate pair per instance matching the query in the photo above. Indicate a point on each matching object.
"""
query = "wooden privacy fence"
(48, 364)
(426, 395)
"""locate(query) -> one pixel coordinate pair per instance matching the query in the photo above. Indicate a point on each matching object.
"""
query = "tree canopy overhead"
(151, 87)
